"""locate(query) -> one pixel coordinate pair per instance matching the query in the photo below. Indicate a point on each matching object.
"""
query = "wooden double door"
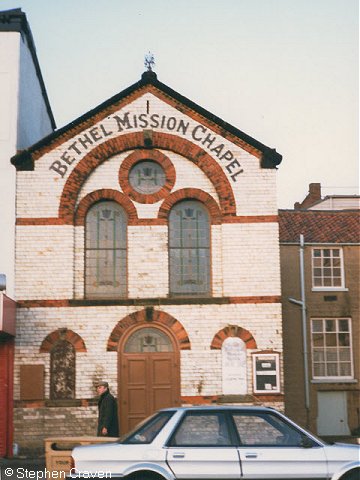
(149, 377)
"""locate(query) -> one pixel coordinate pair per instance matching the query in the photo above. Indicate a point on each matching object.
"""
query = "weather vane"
(149, 61)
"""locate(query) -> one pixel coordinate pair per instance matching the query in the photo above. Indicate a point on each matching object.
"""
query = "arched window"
(189, 249)
(148, 340)
(105, 251)
(62, 371)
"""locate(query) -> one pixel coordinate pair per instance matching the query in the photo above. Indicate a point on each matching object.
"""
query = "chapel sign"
(116, 124)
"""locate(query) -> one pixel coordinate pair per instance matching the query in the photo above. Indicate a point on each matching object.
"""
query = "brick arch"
(62, 334)
(104, 194)
(148, 317)
(132, 141)
(233, 331)
(147, 154)
(195, 194)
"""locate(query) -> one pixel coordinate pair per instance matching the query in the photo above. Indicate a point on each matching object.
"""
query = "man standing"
(108, 425)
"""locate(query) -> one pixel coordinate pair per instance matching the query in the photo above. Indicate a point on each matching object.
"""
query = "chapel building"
(147, 255)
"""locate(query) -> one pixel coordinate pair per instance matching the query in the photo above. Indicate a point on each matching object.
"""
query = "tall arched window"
(105, 251)
(189, 249)
(62, 371)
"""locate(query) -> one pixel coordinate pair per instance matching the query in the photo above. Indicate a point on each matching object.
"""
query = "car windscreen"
(147, 430)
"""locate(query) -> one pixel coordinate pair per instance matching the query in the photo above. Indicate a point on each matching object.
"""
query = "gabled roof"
(15, 21)
(269, 157)
(319, 226)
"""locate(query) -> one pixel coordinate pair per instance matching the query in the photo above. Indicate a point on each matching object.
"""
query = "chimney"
(312, 197)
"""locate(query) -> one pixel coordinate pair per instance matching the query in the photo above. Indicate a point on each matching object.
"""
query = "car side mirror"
(306, 442)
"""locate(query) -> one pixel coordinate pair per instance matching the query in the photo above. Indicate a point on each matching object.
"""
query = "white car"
(217, 443)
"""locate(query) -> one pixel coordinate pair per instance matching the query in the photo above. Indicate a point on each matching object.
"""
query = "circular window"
(147, 177)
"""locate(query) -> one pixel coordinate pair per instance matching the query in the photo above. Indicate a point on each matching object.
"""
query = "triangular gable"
(149, 83)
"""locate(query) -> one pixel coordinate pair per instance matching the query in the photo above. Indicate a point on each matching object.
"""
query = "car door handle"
(250, 455)
(179, 455)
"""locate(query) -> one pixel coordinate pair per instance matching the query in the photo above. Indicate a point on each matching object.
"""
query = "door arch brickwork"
(147, 317)
(233, 331)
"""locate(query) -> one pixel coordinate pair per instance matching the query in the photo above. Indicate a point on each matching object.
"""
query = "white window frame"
(332, 378)
(325, 287)
(275, 373)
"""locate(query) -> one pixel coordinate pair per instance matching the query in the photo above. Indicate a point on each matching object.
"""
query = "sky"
(283, 71)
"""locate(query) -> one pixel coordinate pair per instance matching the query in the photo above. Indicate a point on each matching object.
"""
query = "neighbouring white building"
(147, 254)
(25, 117)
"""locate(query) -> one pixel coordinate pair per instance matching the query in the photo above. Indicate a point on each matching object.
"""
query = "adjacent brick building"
(331, 253)
(147, 254)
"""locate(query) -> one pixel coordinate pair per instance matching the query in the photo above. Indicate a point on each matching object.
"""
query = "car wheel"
(146, 476)
(352, 475)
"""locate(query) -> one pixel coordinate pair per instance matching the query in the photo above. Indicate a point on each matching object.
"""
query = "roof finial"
(149, 61)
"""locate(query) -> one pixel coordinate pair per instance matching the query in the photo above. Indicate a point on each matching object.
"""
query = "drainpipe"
(302, 303)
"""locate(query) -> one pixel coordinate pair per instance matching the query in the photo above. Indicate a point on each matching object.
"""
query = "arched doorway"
(148, 374)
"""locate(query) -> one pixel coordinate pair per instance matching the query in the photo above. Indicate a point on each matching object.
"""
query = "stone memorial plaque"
(234, 381)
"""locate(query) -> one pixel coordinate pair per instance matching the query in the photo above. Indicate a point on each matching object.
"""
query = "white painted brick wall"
(148, 261)
(245, 261)
(251, 261)
(200, 365)
(44, 262)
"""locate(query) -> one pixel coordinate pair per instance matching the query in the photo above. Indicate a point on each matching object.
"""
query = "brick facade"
(60, 178)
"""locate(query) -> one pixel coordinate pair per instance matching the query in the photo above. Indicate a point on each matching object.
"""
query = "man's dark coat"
(108, 416)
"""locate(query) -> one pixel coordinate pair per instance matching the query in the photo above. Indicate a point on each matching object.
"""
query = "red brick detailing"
(134, 141)
(187, 400)
(40, 221)
(256, 299)
(150, 221)
(233, 331)
(199, 399)
(89, 163)
(205, 162)
(42, 303)
(147, 154)
(140, 318)
(63, 334)
(105, 194)
(187, 194)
